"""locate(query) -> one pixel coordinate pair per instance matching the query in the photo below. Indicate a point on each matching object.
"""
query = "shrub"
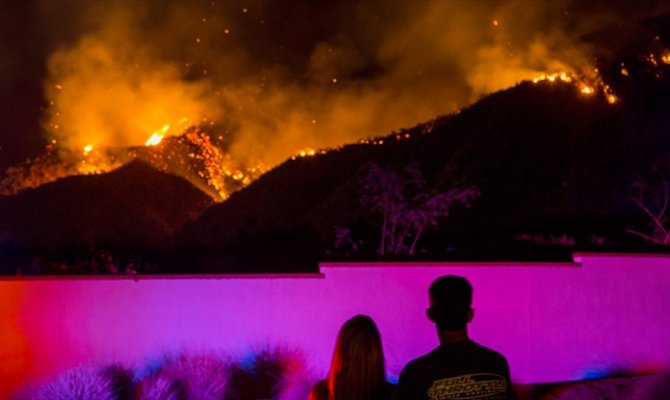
(273, 373)
(109, 383)
(654, 387)
(189, 377)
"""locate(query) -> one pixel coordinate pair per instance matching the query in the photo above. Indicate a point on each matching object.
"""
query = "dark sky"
(275, 75)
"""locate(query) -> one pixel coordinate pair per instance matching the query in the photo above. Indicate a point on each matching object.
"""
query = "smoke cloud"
(276, 78)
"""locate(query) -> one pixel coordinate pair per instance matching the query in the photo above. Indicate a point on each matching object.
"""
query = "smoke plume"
(276, 78)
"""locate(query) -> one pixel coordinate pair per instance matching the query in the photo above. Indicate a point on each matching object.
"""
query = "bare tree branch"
(386, 191)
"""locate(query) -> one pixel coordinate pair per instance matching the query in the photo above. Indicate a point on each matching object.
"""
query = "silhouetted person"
(459, 368)
(357, 371)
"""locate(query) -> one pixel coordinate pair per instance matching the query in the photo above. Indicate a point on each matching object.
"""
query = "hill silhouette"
(133, 209)
(555, 170)
(527, 150)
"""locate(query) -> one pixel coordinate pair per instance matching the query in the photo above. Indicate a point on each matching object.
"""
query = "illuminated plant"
(656, 386)
(273, 372)
(655, 208)
(407, 211)
(189, 377)
(109, 383)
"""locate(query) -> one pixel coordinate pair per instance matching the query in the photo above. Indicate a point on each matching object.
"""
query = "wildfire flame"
(196, 157)
(585, 86)
(157, 136)
(154, 140)
(587, 90)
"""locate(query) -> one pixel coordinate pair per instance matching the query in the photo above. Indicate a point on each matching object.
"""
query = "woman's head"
(357, 369)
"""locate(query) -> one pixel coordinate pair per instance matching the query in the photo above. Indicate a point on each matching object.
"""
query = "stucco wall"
(552, 321)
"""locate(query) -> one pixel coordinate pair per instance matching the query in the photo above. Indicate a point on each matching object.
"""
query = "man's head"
(450, 301)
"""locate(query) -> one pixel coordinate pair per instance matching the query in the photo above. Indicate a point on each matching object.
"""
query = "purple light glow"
(552, 321)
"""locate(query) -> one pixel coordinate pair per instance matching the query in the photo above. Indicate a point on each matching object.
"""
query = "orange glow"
(560, 76)
(87, 149)
(157, 136)
(587, 90)
(17, 359)
(586, 86)
(155, 139)
(309, 152)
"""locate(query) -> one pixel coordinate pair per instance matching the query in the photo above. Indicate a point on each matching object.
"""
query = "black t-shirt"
(320, 391)
(461, 370)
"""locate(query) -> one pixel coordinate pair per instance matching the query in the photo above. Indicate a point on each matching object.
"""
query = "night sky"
(273, 76)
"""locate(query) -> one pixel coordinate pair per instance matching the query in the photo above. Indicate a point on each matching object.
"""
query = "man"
(459, 368)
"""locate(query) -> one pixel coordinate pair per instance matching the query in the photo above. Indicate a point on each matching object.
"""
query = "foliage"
(653, 202)
(407, 210)
(344, 242)
(189, 377)
(272, 373)
(275, 373)
(109, 383)
(656, 386)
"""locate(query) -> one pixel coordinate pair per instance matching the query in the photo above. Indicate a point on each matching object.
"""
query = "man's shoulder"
(468, 352)
(422, 362)
(487, 352)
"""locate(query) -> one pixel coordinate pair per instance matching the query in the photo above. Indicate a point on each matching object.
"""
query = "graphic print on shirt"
(471, 386)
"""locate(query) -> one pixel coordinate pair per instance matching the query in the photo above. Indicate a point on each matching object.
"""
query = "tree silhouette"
(407, 210)
(654, 205)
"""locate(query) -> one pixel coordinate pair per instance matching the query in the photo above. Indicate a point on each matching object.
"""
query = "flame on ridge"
(192, 155)
(216, 171)
(586, 86)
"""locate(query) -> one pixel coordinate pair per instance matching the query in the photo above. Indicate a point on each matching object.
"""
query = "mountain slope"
(133, 207)
(547, 161)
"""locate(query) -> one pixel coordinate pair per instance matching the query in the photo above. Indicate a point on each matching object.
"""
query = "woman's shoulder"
(319, 391)
(389, 391)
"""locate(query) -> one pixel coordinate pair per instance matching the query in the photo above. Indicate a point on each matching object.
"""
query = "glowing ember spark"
(586, 86)
(307, 152)
(87, 149)
(562, 76)
(587, 89)
(666, 58)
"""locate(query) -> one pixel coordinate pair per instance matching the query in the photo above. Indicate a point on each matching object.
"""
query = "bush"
(273, 373)
(109, 383)
(189, 377)
(655, 387)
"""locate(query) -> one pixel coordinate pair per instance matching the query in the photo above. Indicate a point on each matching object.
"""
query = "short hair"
(451, 298)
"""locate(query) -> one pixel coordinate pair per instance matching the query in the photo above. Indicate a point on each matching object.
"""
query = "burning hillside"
(186, 90)
(206, 160)
(202, 159)
(194, 155)
(259, 90)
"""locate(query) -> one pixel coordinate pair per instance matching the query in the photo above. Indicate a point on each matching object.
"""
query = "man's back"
(460, 370)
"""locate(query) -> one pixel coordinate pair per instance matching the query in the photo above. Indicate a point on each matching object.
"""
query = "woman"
(357, 370)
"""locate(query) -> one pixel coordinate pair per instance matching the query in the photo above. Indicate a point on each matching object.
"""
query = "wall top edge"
(437, 264)
(578, 259)
(578, 256)
(140, 277)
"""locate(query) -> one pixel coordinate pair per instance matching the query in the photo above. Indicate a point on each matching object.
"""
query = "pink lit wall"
(552, 321)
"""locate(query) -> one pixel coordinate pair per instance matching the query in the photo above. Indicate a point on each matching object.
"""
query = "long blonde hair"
(357, 371)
